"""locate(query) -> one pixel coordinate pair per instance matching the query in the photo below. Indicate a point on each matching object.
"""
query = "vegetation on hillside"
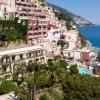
(62, 16)
(9, 35)
(13, 30)
(83, 40)
(41, 0)
(6, 86)
(71, 16)
(81, 87)
(51, 81)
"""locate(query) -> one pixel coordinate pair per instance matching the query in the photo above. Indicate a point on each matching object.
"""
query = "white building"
(72, 37)
(7, 9)
(15, 56)
(74, 55)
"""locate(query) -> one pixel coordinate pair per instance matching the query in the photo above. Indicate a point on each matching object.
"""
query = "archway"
(30, 62)
(5, 63)
(15, 67)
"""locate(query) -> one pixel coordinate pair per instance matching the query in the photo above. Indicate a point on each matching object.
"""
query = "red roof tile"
(85, 55)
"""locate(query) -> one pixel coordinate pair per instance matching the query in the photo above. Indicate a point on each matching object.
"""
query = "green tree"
(41, 0)
(60, 70)
(61, 43)
(30, 67)
(43, 97)
(21, 93)
(62, 16)
(74, 69)
(51, 69)
(81, 87)
(36, 73)
(6, 87)
(83, 40)
(22, 68)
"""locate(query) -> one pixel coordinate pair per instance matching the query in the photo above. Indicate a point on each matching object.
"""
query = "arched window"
(21, 56)
(13, 58)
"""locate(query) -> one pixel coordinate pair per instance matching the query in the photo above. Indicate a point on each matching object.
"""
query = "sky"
(88, 9)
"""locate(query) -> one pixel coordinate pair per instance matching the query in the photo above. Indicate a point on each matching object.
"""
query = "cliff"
(79, 21)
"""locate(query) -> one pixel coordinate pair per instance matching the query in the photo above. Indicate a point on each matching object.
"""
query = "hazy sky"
(89, 9)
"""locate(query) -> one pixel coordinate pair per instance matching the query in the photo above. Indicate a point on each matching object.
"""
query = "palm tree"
(36, 72)
(51, 70)
(22, 68)
(24, 87)
(30, 67)
(62, 69)
(21, 93)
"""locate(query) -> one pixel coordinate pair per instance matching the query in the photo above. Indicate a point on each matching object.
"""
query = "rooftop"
(13, 51)
(85, 55)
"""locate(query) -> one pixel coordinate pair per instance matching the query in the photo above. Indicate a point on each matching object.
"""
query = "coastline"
(93, 41)
(91, 47)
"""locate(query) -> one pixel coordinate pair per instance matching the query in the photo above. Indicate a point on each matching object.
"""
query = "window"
(42, 59)
(29, 54)
(36, 53)
(40, 52)
(37, 59)
(23, 0)
(13, 58)
(21, 56)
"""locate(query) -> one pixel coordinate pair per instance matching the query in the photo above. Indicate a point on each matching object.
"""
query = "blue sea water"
(91, 34)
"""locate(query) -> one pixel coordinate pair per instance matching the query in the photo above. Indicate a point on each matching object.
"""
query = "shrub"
(83, 40)
(12, 30)
(74, 69)
(43, 97)
(6, 87)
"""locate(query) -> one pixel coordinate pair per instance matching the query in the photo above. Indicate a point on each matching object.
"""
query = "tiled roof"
(85, 55)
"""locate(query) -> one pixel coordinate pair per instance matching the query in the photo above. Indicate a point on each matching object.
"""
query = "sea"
(92, 34)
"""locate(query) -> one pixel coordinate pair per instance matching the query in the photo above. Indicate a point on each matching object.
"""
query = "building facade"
(10, 59)
(7, 9)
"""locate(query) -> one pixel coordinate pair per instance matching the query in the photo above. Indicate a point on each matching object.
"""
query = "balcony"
(31, 13)
(30, 24)
(36, 31)
(23, 17)
(17, 1)
(30, 37)
(22, 12)
(24, 3)
(40, 30)
(36, 36)
(30, 31)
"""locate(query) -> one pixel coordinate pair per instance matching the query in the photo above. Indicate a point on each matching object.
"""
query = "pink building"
(42, 24)
(38, 28)
(24, 9)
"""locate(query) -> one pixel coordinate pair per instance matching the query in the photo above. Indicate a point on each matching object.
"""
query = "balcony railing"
(30, 37)
(13, 46)
(30, 31)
